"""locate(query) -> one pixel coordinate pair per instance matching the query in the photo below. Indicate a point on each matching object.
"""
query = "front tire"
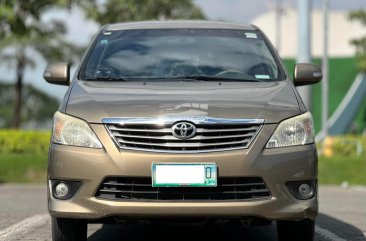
(64, 229)
(300, 231)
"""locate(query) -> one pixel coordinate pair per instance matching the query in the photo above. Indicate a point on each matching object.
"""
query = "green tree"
(360, 43)
(23, 34)
(36, 110)
(111, 11)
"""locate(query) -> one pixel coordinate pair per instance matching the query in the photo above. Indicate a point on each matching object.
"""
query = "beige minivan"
(187, 120)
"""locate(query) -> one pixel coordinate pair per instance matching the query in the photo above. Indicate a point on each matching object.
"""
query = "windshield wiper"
(212, 78)
(107, 79)
(183, 78)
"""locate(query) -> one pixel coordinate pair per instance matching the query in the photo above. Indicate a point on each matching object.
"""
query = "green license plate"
(184, 175)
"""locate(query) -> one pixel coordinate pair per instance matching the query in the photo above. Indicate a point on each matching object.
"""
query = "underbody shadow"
(168, 233)
(340, 228)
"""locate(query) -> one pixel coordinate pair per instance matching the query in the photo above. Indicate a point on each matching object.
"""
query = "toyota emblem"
(184, 130)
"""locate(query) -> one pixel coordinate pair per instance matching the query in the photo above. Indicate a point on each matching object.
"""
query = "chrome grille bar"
(172, 119)
(182, 144)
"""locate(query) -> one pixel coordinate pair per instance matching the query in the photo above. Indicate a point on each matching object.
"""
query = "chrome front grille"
(212, 134)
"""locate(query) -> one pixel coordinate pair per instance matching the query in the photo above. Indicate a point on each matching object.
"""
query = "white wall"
(341, 31)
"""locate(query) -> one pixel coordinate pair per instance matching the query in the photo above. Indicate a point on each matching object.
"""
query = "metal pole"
(304, 47)
(325, 66)
(278, 24)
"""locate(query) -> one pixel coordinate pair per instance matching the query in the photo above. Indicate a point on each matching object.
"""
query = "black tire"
(300, 231)
(69, 229)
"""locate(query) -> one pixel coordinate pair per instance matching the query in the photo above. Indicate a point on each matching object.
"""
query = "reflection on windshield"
(164, 54)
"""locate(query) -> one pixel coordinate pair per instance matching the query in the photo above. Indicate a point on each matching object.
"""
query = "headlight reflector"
(68, 130)
(298, 130)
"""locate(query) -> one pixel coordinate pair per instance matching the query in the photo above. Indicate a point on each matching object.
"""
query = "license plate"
(183, 175)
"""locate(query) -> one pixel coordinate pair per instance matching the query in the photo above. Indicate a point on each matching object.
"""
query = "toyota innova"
(182, 120)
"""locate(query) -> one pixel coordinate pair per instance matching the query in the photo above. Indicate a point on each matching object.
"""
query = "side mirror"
(307, 74)
(58, 74)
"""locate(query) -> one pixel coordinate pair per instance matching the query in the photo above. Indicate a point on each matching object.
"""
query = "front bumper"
(275, 166)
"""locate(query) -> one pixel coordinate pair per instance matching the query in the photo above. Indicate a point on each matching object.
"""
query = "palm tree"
(23, 35)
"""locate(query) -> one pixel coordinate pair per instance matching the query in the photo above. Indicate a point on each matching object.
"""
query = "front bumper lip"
(271, 209)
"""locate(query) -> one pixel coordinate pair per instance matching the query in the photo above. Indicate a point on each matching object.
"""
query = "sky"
(81, 30)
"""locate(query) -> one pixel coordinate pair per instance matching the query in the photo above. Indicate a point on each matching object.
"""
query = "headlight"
(298, 130)
(68, 130)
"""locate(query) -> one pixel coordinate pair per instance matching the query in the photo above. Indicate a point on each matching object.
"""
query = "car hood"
(272, 101)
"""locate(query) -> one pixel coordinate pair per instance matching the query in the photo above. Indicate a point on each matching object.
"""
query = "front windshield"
(180, 53)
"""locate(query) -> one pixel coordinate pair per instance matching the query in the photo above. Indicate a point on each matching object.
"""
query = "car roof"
(178, 24)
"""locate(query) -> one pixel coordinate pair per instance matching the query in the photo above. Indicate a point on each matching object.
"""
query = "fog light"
(303, 190)
(306, 191)
(62, 190)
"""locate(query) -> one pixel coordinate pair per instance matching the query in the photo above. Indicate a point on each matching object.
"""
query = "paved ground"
(23, 216)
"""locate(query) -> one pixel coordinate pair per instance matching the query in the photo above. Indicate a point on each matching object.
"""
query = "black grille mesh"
(140, 189)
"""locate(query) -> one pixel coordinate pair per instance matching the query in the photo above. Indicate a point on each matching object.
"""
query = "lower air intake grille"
(140, 189)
